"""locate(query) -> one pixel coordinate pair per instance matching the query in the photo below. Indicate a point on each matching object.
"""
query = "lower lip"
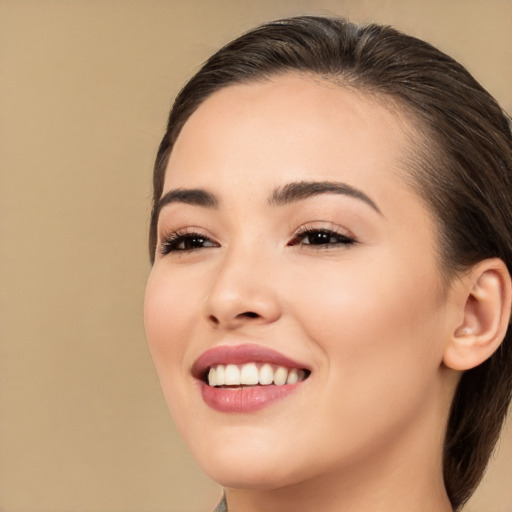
(245, 399)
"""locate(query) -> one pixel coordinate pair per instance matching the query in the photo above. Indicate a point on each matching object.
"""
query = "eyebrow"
(289, 193)
(304, 189)
(193, 196)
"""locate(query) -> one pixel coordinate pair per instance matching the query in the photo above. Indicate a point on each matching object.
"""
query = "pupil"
(194, 242)
(318, 238)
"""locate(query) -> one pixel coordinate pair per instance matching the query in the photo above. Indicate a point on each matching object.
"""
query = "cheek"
(168, 322)
(378, 334)
(379, 320)
(167, 319)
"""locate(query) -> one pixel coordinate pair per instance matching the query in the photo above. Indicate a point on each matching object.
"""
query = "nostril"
(249, 314)
(232, 322)
(214, 320)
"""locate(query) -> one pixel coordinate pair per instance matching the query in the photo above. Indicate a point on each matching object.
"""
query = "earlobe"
(485, 301)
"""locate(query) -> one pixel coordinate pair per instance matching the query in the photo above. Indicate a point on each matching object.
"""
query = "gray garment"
(222, 506)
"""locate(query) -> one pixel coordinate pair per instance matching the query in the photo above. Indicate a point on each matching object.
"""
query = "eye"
(321, 237)
(185, 241)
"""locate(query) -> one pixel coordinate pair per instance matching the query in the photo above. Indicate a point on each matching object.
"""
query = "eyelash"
(172, 242)
(339, 238)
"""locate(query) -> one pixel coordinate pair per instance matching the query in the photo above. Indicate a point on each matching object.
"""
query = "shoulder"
(222, 506)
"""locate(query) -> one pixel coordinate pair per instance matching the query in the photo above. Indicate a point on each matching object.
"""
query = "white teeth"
(293, 376)
(220, 378)
(249, 375)
(266, 375)
(280, 376)
(212, 381)
(232, 375)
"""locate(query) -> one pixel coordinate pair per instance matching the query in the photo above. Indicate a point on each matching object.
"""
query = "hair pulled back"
(461, 166)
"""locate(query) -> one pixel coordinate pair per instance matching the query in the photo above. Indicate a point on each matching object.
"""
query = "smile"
(253, 374)
(246, 378)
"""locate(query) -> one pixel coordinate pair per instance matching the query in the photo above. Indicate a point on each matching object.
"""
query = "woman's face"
(290, 247)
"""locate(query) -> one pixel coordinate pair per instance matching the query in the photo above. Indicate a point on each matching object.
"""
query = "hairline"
(412, 126)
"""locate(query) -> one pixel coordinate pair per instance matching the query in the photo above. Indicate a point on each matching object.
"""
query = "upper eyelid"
(304, 228)
(166, 242)
(173, 235)
(327, 226)
(334, 233)
(188, 230)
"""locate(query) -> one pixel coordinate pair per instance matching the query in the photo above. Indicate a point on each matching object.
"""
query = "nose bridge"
(242, 289)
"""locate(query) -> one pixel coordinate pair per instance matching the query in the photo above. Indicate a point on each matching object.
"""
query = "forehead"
(288, 125)
(246, 141)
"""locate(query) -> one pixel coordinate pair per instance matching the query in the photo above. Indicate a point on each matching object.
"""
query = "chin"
(249, 467)
(250, 476)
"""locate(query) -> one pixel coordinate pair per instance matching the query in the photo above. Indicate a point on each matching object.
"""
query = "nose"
(243, 293)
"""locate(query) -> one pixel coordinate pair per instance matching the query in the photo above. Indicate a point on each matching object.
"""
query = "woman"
(330, 292)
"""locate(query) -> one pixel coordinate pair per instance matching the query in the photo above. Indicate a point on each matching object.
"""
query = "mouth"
(246, 378)
(253, 374)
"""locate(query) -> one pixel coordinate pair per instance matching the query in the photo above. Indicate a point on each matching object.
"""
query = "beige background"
(85, 86)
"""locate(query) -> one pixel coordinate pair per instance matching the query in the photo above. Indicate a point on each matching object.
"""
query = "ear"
(484, 302)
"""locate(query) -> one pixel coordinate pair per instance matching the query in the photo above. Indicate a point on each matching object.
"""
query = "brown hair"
(462, 167)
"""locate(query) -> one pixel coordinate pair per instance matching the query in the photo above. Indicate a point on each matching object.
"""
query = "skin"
(371, 319)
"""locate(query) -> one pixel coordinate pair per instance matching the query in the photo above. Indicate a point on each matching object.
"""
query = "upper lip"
(241, 354)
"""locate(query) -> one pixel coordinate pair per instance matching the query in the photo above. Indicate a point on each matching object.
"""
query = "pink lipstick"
(246, 378)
